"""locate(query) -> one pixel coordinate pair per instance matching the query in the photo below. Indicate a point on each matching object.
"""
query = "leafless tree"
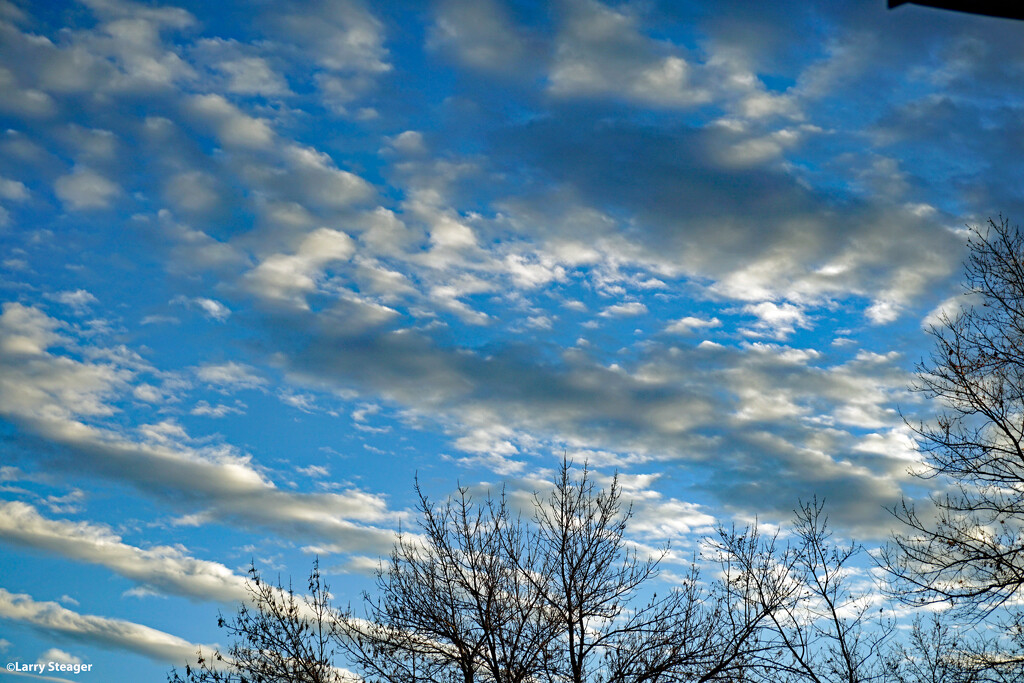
(479, 595)
(591, 577)
(450, 601)
(969, 548)
(934, 652)
(819, 628)
(280, 637)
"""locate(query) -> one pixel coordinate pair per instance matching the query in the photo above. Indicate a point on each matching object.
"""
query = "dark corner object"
(1008, 9)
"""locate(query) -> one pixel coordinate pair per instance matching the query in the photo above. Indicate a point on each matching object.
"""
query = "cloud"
(243, 68)
(744, 413)
(124, 54)
(342, 36)
(23, 101)
(628, 308)
(669, 520)
(689, 324)
(252, 76)
(211, 308)
(78, 300)
(56, 388)
(231, 375)
(598, 152)
(752, 234)
(289, 277)
(601, 51)
(165, 17)
(217, 411)
(193, 191)
(948, 309)
(165, 569)
(409, 142)
(60, 656)
(13, 190)
(84, 188)
(482, 35)
(775, 320)
(343, 39)
(52, 618)
(48, 394)
(315, 178)
(234, 128)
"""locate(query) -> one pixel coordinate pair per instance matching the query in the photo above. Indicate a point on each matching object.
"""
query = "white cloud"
(60, 656)
(169, 17)
(776, 320)
(288, 277)
(192, 191)
(342, 36)
(319, 182)
(540, 322)
(252, 76)
(159, 319)
(84, 188)
(689, 324)
(211, 308)
(410, 142)
(13, 190)
(36, 383)
(624, 309)
(949, 309)
(317, 471)
(601, 51)
(883, 311)
(23, 101)
(103, 631)
(164, 568)
(479, 33)
(79, 300)
(129, 40)
(304, 402)
(46, 394)
(220, 410)
(669, 519)
(745, 151)
(231, 375)
(493, 440)
(234, 128)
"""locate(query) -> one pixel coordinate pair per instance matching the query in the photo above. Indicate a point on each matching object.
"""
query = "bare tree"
(478, 595)
(450, 602)
(935, 652)
(280, 637)
(586, 573)
(590, 578)
(970, 550)
(818, 628)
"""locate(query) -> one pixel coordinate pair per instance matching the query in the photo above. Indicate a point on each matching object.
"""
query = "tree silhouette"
(967, 547)
(972, 552)
(818, 628)
(478, 594)
(280, 637)
(482, 595)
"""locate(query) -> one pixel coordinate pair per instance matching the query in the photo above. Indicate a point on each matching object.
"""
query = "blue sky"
(263, 264)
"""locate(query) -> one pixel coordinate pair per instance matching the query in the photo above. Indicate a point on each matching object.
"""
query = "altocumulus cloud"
(693, 244)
